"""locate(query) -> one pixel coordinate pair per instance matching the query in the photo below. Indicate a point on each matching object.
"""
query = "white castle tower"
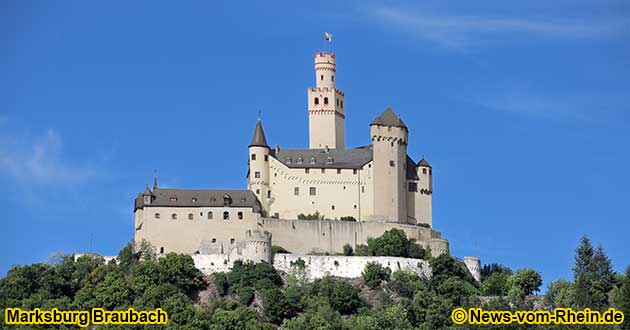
(389, 142)
(258, 177)
(326, 114)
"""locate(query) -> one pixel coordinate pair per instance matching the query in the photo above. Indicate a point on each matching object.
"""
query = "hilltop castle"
(359, 192)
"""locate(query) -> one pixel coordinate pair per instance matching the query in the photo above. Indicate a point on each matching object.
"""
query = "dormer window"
(227, 200)
(243, 200)
(173, 199)
(312, 160)
(288, 160)
(213, 199)
(194, 199)
(329, 160)
(300, 160)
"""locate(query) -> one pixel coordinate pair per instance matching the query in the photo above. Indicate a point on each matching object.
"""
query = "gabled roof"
(259, 140)
(423, 162)
(200, 198)
(333, 158)
(388, 118)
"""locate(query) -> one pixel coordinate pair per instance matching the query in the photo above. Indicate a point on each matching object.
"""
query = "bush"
(314, 216)
(276, 305)
(394, 243)
(341, 296)
(348, 218)
(245, 295)
(221, 283)
(374, 274)
(347, 250)
(405, 283)
(278, 249)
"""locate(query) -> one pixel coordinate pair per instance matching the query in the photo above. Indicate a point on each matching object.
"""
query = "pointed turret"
(259, 140)
(423, 162)
(155, 185)
(389, 118)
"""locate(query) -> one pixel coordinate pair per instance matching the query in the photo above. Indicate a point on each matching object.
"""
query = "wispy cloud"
(572, 108)
(461, 32)
(40, 160)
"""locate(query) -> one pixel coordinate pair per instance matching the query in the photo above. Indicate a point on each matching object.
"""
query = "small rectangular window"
(413, 186)
(323, 170)
(354, 171)
(257, 175)
(424, 171)
(362, 189)
(266, 157)
(338, 171)
(391, 163)
(332, 207)
(268, 193)
(312, 191)
(296, 191)
(306, 170)
(253, 156)
(232, 241)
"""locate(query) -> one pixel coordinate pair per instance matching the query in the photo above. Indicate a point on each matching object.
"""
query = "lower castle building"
(357, 192)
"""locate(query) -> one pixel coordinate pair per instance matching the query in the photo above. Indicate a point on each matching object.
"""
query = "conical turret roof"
(389, 118)
(423, 162)
(259, 140)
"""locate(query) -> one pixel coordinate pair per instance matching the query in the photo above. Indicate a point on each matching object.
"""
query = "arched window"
(226, 215)
(312, 160)
(316, 100)
(337, 102)
(329, 160)
(174, 216)
(157, 215)
(288, 160)
(240, 215)
(325, 100)
(162, 249)
(332, 78)
(321, 77)
(190, 216)
(209, 215)
(300, 160)
(227, 200)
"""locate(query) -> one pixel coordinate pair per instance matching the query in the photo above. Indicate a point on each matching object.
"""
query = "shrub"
(347, 250)
(374, 274)
(348, 218)
(314, 216)
(245, 295)
(278, 249)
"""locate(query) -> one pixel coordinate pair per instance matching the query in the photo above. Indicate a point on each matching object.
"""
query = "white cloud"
(461, 32)
(40, 160)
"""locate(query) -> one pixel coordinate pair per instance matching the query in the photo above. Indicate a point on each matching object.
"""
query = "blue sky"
(522, 108)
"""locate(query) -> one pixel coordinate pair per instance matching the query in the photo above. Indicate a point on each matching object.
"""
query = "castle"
(358, 192)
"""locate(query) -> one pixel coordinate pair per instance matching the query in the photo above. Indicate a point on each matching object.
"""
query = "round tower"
(258, 177)
(326, 113)
(325, 69)
(474, 266)
(389, 154)
(424, 211)
(257, 246)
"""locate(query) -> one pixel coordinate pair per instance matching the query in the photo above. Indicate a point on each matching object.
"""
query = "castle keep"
(360, 192)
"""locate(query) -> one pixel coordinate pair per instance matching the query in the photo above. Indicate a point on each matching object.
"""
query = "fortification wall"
(348, 267)
(304, 236)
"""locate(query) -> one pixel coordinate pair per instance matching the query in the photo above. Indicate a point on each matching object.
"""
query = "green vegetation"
(393, 243)
(314, 216)
(278, 249)
(255, 296)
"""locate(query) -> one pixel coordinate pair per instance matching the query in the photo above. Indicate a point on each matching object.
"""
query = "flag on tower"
(328, 37)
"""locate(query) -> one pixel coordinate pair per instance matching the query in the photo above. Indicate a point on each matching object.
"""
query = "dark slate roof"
(411, 169)
(423, 162)
(259, 140)
(204, 198)
(333, 158)
(389, 118)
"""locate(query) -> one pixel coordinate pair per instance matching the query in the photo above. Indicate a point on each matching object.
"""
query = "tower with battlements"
(326, 109)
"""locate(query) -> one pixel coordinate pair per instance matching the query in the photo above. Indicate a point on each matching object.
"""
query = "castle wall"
(348, 193)
(348, 267)
(185, 236)
(330, 236)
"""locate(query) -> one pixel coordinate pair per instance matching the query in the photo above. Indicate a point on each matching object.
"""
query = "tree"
(340, 295)
(373, 274)
(240, 318)
(347, 250)
(623, 300)
(561, 293)
(180, 270)
(275, 304)
(405, 283)
(584, 273)
(604, 278)
(490, 269)
(496, 284)
(523, 283)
